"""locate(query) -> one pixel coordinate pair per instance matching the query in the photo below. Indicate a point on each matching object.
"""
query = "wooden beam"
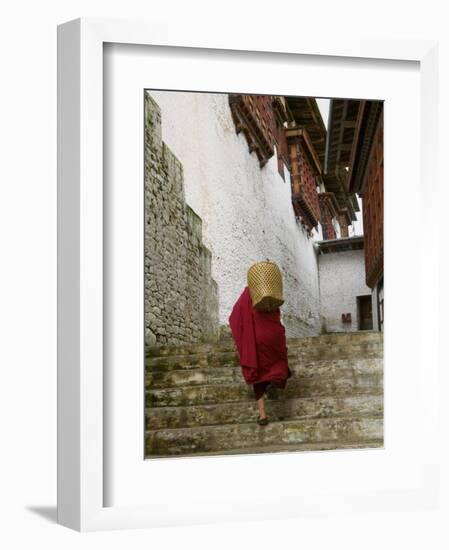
(345, 147)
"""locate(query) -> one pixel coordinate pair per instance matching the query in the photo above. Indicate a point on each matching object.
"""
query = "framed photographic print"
(234, 287)
(269, 175)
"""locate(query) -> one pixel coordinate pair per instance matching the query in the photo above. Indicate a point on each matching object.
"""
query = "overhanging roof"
(342, 126)
(334, 183)
(342, 131)
(341, 245)
(370, 114)
(307, 114)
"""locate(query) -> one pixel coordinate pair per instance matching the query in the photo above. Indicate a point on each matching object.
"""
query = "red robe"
(260, 340)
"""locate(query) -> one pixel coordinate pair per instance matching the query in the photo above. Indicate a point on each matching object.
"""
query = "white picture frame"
(82, 491)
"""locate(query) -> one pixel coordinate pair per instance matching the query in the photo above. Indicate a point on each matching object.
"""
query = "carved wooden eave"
(282, 111)
(306, 113)
(258, 136)
(283, 118)
(304, 213)
(329, 200)
(301, 134)
(304, 195)
(345, 212)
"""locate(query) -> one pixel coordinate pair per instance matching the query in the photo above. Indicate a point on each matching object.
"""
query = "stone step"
(336, 445)
(346, 383)
(174, 362)
(278, 409)
(230, 358)
(207, 439)
(326, 340)
(192, 377)
(232, 373)
(333, 351)
(337, 338)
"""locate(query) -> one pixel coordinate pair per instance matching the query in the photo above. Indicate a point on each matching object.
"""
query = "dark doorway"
(365, 312)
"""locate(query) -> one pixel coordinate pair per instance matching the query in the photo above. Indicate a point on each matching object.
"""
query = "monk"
(260, 340)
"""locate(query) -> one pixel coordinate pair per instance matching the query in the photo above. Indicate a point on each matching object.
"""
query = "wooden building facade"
(355, 156)
(293, 129)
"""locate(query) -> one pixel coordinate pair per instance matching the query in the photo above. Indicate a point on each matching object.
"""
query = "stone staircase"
(197, 402)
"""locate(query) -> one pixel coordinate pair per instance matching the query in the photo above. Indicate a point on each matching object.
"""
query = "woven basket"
(265, 285)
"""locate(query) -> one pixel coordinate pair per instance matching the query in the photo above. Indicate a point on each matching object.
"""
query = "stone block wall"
(181, 297)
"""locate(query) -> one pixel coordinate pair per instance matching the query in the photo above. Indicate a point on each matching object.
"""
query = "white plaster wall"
(356, 228)
(246, 211)
(337, 228)
(317, 234)
(342, 279)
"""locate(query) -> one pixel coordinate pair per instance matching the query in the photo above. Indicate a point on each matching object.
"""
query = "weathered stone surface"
(244, 411)
(336, 445)
(238, 391)
(197, 402)
(192, 377)
(332, 344)
(191, 361)
(214, 438)
(230, 371)
(181, 298)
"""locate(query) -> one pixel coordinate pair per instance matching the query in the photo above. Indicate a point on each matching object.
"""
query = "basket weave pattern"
(265, 286)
